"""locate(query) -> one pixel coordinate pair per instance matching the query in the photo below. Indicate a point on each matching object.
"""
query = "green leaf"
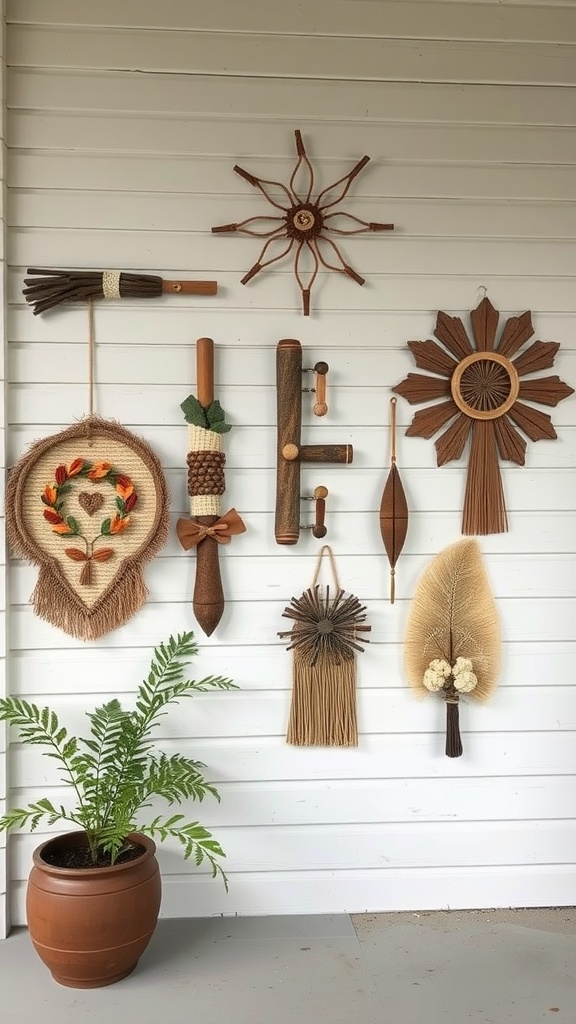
(72, 523)
(193, 412)
(105, 528)
(214, 412)
(220, 428)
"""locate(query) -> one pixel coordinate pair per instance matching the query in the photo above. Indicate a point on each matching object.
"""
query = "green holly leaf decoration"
(210, 417)
(193, 412)
(215, 416)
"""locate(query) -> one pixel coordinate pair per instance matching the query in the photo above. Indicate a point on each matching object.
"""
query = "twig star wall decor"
(484, 387)
(303, 224)
(324, 639)
(452, 643)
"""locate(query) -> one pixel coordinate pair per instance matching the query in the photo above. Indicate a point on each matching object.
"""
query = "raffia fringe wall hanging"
(324, 640)
(484, 386)
(452, 644)
(89, 506)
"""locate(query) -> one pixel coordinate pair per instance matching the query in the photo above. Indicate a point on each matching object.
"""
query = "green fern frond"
(114, 771)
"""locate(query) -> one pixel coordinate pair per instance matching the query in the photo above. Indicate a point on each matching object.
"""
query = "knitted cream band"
(202, 440)
(111, 284)
(205, 505)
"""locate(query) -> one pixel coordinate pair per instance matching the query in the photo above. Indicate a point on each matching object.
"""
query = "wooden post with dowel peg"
(290, 452)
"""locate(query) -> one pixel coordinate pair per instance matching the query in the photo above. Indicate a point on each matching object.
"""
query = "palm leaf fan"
(452, 643)
(324, 639)
(393, 508)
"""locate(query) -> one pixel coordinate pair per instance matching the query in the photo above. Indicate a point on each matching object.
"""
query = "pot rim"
(62, 838)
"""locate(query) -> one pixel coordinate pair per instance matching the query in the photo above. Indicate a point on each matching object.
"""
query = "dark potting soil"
(80, 857)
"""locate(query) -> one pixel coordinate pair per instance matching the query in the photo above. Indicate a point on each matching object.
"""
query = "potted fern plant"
(93, 895)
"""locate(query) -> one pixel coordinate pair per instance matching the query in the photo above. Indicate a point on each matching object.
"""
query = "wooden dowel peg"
(320, 407)
(320, 495)
(190, 287)
(205, 371)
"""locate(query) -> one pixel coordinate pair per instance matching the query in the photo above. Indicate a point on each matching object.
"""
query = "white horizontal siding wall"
(124, 122)
(4, 918)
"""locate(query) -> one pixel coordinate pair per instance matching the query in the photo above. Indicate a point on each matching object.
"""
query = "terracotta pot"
(91, 925)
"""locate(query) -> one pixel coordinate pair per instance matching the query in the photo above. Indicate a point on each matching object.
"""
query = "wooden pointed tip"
(208, 616)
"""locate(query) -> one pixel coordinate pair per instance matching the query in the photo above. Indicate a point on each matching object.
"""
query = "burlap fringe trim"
(323, 708)
(116, 606)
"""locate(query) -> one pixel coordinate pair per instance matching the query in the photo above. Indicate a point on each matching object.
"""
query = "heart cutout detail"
(90, 502)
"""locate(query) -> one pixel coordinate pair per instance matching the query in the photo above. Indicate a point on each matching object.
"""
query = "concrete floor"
(459, 967)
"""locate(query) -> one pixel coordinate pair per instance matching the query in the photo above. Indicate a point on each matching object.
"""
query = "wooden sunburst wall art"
(303, 224)
(484, 385)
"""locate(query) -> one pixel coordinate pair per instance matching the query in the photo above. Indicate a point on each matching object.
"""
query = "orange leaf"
(76, 555)
(50, 494)
(118, 524)
(75, 467)
(62, 528)
(102, 555)
(99, 470)
(124, 490)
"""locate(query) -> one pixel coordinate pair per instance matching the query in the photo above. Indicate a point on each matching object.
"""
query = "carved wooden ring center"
(488, 389)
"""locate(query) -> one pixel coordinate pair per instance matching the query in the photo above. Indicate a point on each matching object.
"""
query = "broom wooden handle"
(190, 288)
(208, 597)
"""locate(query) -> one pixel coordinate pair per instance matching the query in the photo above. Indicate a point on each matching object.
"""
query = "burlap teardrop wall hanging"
(89, 506)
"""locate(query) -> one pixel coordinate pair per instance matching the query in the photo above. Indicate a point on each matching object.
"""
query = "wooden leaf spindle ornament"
(452, 644)
(393, 508)
(207, 529)
(483, 393)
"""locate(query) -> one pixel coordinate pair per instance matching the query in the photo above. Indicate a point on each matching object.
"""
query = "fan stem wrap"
(453, 740)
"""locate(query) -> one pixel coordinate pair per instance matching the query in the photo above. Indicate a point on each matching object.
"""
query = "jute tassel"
(324, 640)
(323, 709)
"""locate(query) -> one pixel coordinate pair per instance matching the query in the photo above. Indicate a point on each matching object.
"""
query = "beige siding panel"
(293, 56)
(53, 89)
(352, 18)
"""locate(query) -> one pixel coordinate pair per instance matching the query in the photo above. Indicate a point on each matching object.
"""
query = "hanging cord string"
(323, 550)
(91, 344)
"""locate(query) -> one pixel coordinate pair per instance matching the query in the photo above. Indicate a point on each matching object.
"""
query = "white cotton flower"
(462, 665)
(441, 667)
(465, 681)
(433, 680)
